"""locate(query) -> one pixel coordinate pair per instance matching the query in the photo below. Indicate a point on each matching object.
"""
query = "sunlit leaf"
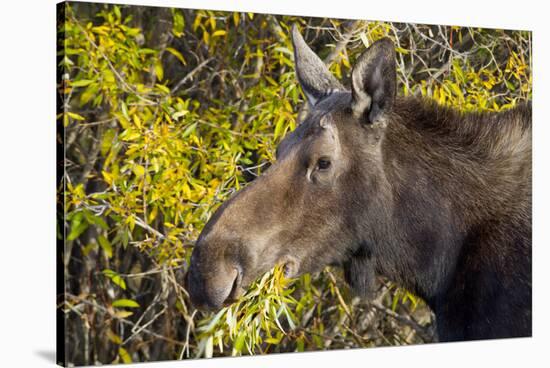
(108, 249)
(125, 303)
(124, 355)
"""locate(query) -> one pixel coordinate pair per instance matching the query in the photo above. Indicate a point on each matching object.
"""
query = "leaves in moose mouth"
(260, 309)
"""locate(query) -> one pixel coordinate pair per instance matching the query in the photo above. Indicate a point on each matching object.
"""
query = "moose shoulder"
(436, 200)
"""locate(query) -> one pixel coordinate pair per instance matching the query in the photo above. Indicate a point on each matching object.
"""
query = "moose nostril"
(235, 288)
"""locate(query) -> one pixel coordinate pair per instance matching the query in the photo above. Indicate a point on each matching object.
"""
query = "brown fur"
(436, 200)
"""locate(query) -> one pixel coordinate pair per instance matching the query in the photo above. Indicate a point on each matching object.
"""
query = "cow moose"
(434, 199)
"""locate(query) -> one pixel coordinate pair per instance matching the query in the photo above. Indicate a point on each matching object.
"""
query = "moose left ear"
(313, 75)
(373, 81)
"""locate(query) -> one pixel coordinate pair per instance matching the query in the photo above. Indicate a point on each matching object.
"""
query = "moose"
(434, 199)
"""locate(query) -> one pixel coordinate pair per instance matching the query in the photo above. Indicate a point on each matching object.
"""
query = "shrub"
(166, 112)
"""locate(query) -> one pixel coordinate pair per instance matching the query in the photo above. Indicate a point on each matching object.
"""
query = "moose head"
(323, 200)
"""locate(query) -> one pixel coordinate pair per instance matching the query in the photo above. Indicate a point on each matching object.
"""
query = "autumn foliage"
(165, 113)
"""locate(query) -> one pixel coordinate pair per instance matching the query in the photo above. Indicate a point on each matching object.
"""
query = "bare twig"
(341, 45)
(122, 320)
(190, 75)
(422, 331)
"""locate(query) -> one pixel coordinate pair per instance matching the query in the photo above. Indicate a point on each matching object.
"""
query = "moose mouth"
(290, 270)
(210, 293)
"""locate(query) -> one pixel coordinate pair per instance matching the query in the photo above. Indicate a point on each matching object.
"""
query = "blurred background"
(164, 113)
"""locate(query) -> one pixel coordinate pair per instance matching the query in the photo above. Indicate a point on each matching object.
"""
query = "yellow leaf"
(153, 214)
(124, 355)
(186, 191)
(159, 70)
(114, 337)
(125, 303)
(138, 170)
(137, 120)
(107, 177)
(75, 116)
(108, 76)
(123, 313)
(219, 33)
(177, 54)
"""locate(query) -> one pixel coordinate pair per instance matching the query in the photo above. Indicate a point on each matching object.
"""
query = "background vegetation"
(166, 112)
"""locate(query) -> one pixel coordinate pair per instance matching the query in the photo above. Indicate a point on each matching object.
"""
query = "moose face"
(311, 207)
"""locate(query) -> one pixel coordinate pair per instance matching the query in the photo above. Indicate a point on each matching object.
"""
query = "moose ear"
(313, 75)
(373, 81)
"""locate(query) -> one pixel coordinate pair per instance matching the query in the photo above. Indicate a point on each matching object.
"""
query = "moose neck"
(418, 240)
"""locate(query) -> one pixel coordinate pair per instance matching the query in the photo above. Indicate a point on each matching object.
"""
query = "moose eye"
(323, 163)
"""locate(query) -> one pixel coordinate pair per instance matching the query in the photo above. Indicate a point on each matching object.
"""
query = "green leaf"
(77, 230)
(179, 114)
(279, 127)
(116, 9)
(162, 88)
(125, 303)
(108, 76)
(88, 93)
(100, 222)
(289, 318)
(239, 343)
(107, 141)
(81, 83)
(179, 23)
(300, 344)
(190, 129)
(108, 249)
(214, 321)
(115, 278)
(124, 110)
(130, 135)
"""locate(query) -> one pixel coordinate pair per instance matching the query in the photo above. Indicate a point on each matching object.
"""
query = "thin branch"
(122, 320)
(140, 329)
(422, 331)
(191, 74)
(341, 45)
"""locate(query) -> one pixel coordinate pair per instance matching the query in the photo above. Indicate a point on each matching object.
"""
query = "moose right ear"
(373, 81)
(313, 75)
